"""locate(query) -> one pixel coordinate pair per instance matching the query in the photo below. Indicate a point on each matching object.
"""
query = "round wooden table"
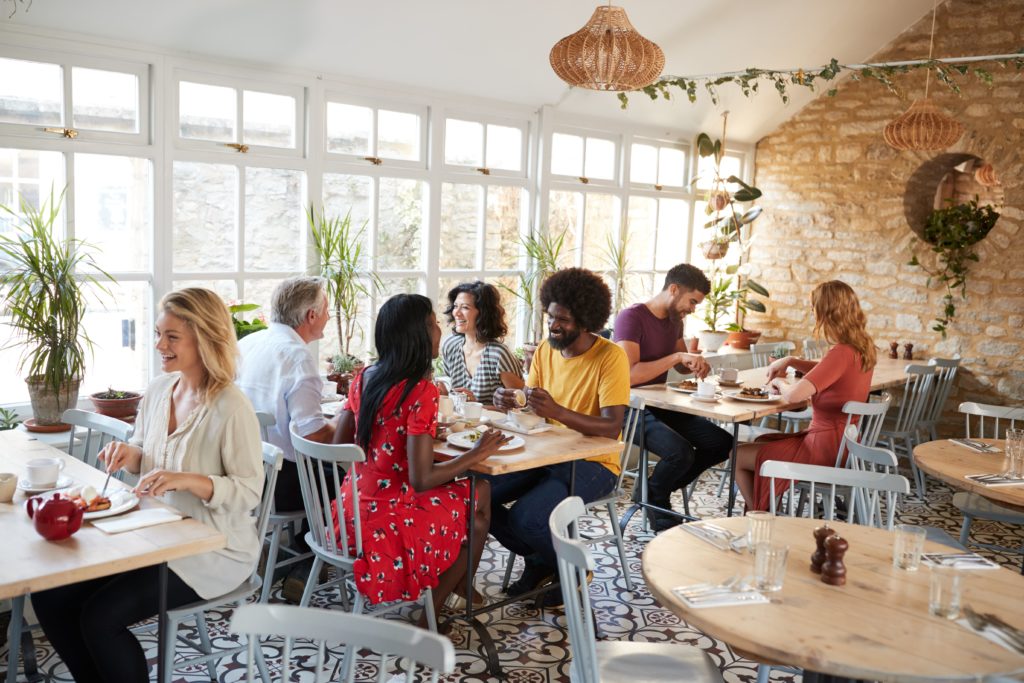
(950, 462)
(876, 627)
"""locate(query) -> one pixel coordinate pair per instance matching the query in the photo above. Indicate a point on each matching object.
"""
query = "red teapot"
(55, 518)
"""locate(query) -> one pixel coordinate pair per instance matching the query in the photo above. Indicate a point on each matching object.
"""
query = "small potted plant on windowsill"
(341, 368)
(245, 327)
(716, 305)
(739, 336)
(114, 403)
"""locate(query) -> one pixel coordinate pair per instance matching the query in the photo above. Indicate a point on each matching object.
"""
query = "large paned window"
(393, 135)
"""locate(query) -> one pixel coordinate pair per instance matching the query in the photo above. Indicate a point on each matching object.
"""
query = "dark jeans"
(686, 445)
(523, 527)
(87, 622)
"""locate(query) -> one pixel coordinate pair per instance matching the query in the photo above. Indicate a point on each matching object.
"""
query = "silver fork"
(980, 622)
(693, 591)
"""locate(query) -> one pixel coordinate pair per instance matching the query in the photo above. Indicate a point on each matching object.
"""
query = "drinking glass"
(907, 546)
(759, 528)
(944, 591)
(1015, 452)
(770, 566)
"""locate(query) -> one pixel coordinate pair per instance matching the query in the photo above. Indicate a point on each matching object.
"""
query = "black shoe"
(535, 574)
(665, 522)
(295, 583)
(554, 598)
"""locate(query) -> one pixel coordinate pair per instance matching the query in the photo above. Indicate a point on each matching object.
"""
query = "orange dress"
(837, 378)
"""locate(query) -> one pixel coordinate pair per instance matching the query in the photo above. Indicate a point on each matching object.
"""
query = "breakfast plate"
(120, 501)
(726, 383)
(752, 399)
(678, 386)
(27, 486)
(469, 438)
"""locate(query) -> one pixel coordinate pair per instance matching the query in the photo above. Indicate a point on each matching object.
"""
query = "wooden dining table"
(876, 627)
(31, 563)
(950, 463)
(556, 445)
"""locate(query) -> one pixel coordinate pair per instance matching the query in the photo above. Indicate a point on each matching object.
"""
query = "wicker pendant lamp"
(607, 54)
(923, 127)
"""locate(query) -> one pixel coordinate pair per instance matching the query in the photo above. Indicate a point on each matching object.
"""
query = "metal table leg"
(732, 466)
(161, 648)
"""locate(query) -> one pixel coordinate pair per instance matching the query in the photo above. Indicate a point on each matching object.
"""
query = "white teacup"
(43, 471)
(8, 482)
(729, 374)
(525, 419)
(705, 389)
(472, 410)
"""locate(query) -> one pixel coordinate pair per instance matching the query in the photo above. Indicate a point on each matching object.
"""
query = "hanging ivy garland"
(749, 81)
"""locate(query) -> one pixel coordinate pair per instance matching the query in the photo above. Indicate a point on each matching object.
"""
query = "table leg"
(162, 625)
(14, 638)
(732, 466)
(486, 642)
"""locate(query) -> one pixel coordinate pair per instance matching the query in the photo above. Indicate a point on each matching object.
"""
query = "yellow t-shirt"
(596, 379)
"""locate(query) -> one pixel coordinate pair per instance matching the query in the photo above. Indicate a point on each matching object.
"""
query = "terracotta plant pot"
(117, 407)
(738, 340)
(48, 405)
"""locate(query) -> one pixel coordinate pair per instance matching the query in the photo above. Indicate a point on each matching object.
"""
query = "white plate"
(751, 399)
(732, 385)
(465, 440)
(120, 501)
(62, 483)
(675, 386)
(706, 399)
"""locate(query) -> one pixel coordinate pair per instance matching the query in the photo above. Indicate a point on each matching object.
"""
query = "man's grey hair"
(294, 297)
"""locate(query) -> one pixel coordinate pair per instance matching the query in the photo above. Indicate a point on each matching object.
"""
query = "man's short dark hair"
(688, 277)
(583, 292)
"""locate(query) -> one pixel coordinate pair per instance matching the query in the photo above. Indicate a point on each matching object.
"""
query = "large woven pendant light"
(923, 127)
(607, 54)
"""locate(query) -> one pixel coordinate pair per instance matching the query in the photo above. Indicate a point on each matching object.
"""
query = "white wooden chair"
(272, 458)
(901, 432)
(357, 632)
(973, 506)
(99, 431)
(945, 378)
(279, 521)
(611, 661)
(634, 417)
(321, 474)
(814, 349)
(761, 353)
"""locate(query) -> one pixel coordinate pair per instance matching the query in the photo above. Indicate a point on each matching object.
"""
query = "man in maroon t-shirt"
(651, 334)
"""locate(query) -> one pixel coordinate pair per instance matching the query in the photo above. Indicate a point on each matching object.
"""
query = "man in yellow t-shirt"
(580, 380)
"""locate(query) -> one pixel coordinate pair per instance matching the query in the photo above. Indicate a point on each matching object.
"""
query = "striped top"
(496, 358)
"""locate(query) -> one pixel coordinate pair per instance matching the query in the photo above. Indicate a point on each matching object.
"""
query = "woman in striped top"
(474, 356)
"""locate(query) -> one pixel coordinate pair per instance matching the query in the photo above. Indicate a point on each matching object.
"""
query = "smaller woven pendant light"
(607, 54)
(986, 175)
(923, 127)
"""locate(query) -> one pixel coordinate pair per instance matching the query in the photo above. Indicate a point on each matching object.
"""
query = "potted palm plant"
(44, 280)
(716, 306)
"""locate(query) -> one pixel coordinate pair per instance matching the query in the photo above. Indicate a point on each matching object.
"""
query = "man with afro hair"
(578, 379)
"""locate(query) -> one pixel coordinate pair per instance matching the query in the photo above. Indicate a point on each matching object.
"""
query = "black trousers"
(87, 622)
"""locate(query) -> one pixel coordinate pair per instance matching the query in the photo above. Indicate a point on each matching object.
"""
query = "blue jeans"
(523, 527)
(686, 445)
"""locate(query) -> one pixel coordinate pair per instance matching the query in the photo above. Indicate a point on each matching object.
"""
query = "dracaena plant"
(44, 281)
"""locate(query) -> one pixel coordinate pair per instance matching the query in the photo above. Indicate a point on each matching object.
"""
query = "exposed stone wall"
(834, 199)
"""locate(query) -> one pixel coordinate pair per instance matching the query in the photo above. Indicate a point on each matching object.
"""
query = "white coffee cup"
(445, 407)
(8, 482)
(705, 389)
(729, 374)
(43, 471)
(471, 410)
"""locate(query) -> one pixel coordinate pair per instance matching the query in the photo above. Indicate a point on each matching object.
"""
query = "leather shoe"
(534, 575)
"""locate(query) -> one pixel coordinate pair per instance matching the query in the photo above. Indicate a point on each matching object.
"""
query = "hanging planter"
(714, 250)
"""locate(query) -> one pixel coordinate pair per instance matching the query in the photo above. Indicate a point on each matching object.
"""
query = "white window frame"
(67, 62)
(659, 144)
(485, 120)
(617, 140)
(239, 85)
(375, 105)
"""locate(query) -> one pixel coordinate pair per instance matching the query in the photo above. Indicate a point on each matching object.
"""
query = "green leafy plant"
(339, 247)
(8, 419)
(245, 327)
(342, 363)
(726, 217)
(543, 250)
(952, 232)
(44, 280)
(617, 256)
(717, 303)
(741, 296)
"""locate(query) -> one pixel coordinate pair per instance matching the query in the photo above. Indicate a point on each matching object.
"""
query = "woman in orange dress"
(843, 374)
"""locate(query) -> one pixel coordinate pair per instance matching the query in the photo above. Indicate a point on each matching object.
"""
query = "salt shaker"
(894, 349)
(908, 352)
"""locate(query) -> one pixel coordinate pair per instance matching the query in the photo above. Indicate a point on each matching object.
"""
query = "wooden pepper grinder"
(894, 349)
(833, 571)
(908, 352)
(818, 557)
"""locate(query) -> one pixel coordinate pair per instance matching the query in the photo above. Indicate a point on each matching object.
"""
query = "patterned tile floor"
(532, 642)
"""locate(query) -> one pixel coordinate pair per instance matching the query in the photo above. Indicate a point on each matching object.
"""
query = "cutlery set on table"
(993, 628)
(735, 590)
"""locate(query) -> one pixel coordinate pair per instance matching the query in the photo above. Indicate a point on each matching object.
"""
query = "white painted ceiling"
(499, 50)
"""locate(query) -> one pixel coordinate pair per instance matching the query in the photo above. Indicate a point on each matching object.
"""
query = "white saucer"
(706, 399)
(62, 483)
(120, 501)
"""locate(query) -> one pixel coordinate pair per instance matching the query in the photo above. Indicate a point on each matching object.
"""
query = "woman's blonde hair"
(209, 319)
(839, 318)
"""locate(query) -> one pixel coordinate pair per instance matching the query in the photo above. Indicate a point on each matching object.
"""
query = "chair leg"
(965, 530)
(686, 501)
(314, 575)
(271, 563)
(170, 646)
(428, 609)
(508, 572)
(204, 640)
(763, 672)
(621, 546)
(918, 474)
(721, 481)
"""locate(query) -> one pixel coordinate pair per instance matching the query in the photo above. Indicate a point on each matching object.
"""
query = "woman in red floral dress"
(414, 514)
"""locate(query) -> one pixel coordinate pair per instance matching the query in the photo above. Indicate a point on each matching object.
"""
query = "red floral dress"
(409, 538)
